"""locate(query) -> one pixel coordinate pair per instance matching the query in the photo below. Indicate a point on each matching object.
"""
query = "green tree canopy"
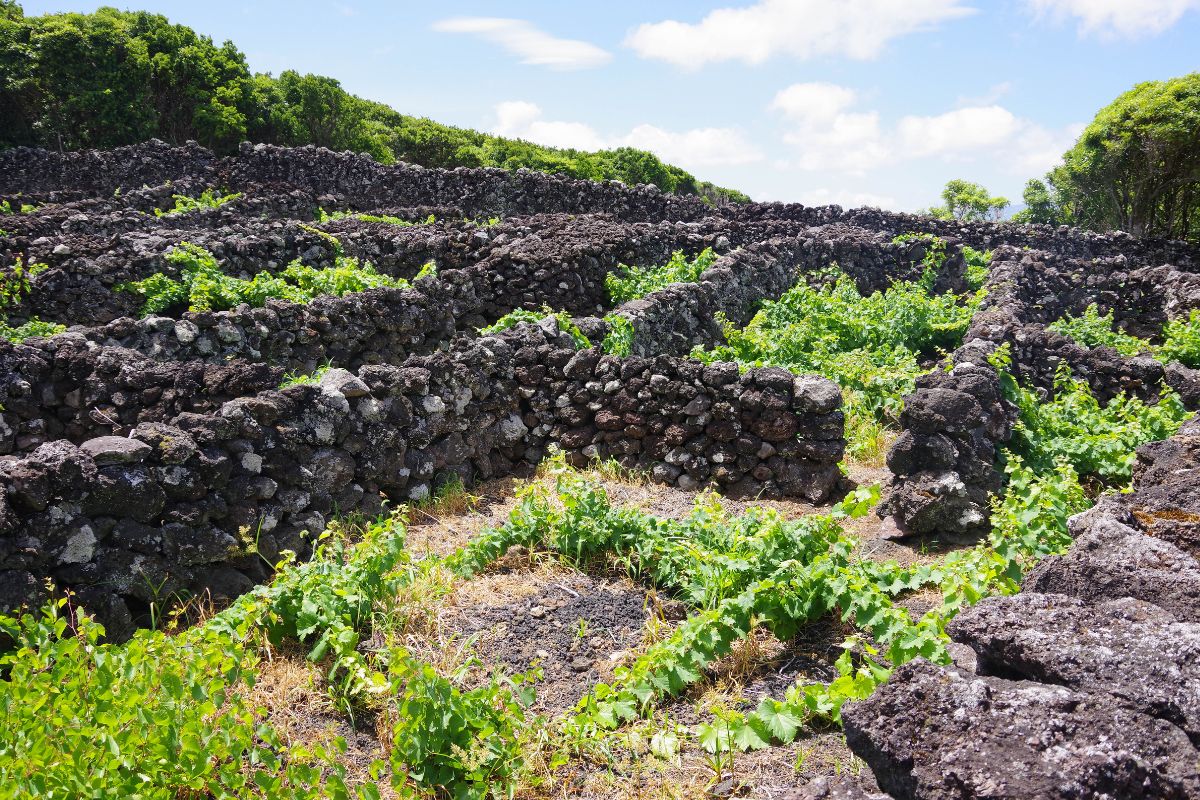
(1136, 167)
(71, 81)
(968, 202)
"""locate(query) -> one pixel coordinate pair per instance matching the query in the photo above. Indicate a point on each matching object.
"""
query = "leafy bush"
(871, 346)
(324, 216)
(14, 282)
(27, 330)
(978, 262)
(203, 286)
(1093, 329)
(523, 315)
(619, 339)
(1072, 426)
(6, 207)
(185, 205)
(1181, 341)
(158, 717)
(630, 283)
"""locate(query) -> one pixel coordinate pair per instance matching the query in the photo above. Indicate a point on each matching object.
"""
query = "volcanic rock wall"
(1086, 684)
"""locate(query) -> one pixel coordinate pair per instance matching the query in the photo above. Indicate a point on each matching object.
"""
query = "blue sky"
(875, 102)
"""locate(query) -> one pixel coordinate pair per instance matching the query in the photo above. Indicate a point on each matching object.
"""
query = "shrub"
(185, 205)
(202, 286)
(630, 283)
(1093, 329)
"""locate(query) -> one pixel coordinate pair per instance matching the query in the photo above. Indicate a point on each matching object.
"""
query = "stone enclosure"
(141, 458)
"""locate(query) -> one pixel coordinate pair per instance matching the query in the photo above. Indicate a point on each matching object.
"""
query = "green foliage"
(1181, 340)
(968, 202)
(112, 77)
(14, 282)
(291, 379)
(463, 744)
(14, 288)
(522, 315)
(324, 216)
(630, 283)
(207, 199)
(27, 330)
(203, 286)
(619, 339)
(158, 717)
(871, 346)
(978, 263)
(1136, 167)
(6, 207)
(1042, 205)
(1093, 329)
(1096, 440)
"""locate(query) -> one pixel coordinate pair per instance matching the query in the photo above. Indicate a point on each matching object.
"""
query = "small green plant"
(6, 207)
(630, 283)
(324, 216)
(978, 262)
(1181, 340)
(521, 315)
(15, 282)
(619, 339)
(1093, 329)
(203, 286)
(207, 199)
(29, 329)
(291, 379)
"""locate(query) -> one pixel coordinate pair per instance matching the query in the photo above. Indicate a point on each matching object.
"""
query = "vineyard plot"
(396, 482)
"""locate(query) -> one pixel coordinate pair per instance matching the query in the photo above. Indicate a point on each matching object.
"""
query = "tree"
(1042, 205)
(968, 202)
(114, 77)
(1136, 167)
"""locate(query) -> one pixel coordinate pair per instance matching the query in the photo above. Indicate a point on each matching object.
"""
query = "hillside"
(111, 78)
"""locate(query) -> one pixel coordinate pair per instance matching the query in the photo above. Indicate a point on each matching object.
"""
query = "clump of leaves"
(326, 216)
(6, 207)
(291, 379)
(203, 286)
(209, 198)
(619, 339)
(978, 262)
(1181, 340)
(29, 329)
(630, 283)
(1093, 329)
(15, 282)
(159, 716)
(522, 315)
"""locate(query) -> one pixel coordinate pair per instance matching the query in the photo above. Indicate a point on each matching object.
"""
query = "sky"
(855, 102)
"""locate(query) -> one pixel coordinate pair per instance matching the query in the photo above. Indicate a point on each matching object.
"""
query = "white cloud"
(698, 147)
(799, 28)
(532, 45)
(703, 147)
(517, 119)
(827, 135)
(966, 130)
(990, 97)
(1117, 18)
(846, 199)
(830, 134)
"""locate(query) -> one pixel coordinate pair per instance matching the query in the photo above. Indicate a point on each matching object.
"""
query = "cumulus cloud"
(802, 29)
(1116, 18)
(829, 133)
(518, 119)
(965, 130)
(826, 134)
(698, 147)
(531, 45)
